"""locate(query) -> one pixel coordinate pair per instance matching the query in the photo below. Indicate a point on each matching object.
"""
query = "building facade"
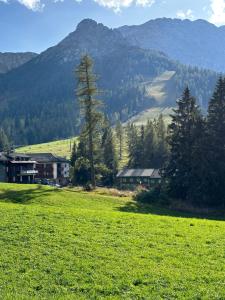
(17, 168)
(132, 178)
(29, 168)
(51, 167)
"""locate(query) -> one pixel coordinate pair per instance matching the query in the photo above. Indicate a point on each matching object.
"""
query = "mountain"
(37, 100)
(9, 61)
(198, 43)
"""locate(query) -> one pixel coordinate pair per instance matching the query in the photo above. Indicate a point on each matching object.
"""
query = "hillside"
(59, 244)
(150, 114)
(38, 99)
(198, 43)
(61, 147)
(10, 61)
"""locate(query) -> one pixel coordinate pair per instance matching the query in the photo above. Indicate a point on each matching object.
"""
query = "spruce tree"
(162, 146)
(133, 142)
(120, 136)
(86, 93)
(149, 146)
(109, 153)
(73, 157)
(178, 171)
(198, 189)
(216, 145)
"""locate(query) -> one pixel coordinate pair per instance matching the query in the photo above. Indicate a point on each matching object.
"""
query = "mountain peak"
(89, 37)
(87, 23)
(90, 25)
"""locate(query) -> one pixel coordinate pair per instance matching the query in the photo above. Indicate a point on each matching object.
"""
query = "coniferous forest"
(190, 151)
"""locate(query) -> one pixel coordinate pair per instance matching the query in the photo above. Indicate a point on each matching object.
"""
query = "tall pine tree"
(86, 93)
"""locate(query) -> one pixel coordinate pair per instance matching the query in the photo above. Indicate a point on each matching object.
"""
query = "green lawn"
(58, 244)
(60, 147)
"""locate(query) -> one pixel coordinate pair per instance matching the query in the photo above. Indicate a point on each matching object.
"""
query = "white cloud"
(117, 5)
(34, 5)
(218, 12)
(185, 14)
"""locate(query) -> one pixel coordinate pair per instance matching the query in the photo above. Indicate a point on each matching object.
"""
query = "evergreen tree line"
(147, 145)
(195, 170)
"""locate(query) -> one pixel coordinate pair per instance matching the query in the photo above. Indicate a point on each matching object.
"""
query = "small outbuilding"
(131, 178)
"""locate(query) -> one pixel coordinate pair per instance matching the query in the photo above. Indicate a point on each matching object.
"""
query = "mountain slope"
(9, 61)
(38, 99)
(197, 43)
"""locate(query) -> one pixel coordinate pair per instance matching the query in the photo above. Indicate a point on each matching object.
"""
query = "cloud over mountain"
(218, 12)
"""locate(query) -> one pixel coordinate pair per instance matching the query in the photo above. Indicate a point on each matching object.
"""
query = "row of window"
(140, 180)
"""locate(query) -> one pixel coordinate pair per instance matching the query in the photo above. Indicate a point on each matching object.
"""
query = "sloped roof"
(152, 173)
(47, 157)
(156, 174)
(23, 162)
(14, 155)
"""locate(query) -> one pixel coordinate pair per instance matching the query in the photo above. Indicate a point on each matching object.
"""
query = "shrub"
(155, 195)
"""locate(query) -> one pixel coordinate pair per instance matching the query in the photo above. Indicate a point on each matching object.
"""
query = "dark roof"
(47, 157)
(152, 173)
(23, 162)
(13, 155)
(156, 174)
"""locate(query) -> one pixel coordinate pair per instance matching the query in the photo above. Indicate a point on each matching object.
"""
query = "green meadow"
(70, 244)
(60, 147)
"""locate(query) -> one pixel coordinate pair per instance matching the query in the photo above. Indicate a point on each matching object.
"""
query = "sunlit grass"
(70, 244)
(61, 148)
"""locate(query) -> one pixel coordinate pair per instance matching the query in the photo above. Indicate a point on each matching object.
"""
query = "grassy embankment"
(61, 147)
(66, 244)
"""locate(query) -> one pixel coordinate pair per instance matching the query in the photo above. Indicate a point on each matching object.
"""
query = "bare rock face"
(9, 61)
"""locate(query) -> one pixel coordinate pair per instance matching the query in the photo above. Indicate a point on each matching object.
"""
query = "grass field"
(61, 147)
(59, 244)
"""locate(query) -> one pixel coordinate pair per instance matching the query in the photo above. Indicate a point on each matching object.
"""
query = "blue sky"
(34, 25)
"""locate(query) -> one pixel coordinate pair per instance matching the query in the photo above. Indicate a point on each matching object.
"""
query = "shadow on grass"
(25, 196)
(141, 208)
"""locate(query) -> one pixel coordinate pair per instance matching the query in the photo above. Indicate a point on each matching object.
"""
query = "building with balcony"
(29, 168)
(51, 167)
(17, 168)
